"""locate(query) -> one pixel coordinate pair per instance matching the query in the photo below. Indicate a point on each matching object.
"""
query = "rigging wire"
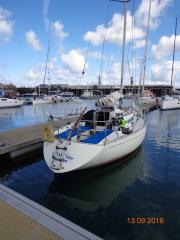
(145, 50)
(88, 47)
(46, 72)
(174, 49)
(134, 49)
(127, 60)
(103, 46)
(132, 36)
(110, 61)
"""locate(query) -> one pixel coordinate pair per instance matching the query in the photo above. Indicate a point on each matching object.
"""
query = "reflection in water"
(100, 190)
(147, 185)
(164, 128)
(32, 114)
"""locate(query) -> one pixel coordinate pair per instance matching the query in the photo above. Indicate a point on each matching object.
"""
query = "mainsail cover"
(112, 100)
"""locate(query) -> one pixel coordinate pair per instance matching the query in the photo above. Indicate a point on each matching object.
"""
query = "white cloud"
(165, 46)
(58, 29)
(161, 72)
(157, 9)
(57, 75)
(139, 43)
(34, 75)
(93, 54)
(114, 75)
(33, 41)
(114, 31)
(74, 61)
(45, 14)
(6, 25)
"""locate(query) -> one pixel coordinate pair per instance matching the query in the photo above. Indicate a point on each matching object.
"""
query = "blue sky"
(76, 30)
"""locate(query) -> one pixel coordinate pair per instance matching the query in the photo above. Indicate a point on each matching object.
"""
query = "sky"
(87, 36)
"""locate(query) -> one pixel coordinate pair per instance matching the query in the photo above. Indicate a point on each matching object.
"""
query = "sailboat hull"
(78, 156)
(41, 101)
(170, 104)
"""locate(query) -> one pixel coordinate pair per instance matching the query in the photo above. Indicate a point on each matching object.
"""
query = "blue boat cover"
(64, 134)
(97, 137)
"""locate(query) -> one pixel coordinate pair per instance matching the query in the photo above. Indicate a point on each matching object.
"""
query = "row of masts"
(143, 73)
(123, 50)
(143, 62)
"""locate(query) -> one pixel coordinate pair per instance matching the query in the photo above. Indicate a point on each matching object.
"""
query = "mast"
(124, 39)
(174, 48)
(132, 50)
(140, 75)
(124, 42)
(47, 59)
(145, 50)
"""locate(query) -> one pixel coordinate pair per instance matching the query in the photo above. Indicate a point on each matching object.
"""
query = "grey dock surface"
(23, 219)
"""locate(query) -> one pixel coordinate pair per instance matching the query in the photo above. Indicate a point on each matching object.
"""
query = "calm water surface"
(147, 185)
(32, 114)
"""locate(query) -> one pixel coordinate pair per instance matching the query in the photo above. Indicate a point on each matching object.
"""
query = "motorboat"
(10, 103)
(169, 103)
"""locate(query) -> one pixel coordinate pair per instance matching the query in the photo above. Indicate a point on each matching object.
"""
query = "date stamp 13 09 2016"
(145, 220)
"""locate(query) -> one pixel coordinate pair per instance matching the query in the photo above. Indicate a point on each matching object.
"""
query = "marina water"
(146, 185)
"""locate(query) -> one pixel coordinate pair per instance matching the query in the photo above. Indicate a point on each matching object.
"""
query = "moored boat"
(10, 103)
(169, 103)
(43, 100)
(98, 137)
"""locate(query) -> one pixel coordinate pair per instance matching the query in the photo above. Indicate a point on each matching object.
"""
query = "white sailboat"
(44, 98)
(169, 102)
(99, 136)
(144, 99)
(68, 97)
(10, 103)
(87, 95)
